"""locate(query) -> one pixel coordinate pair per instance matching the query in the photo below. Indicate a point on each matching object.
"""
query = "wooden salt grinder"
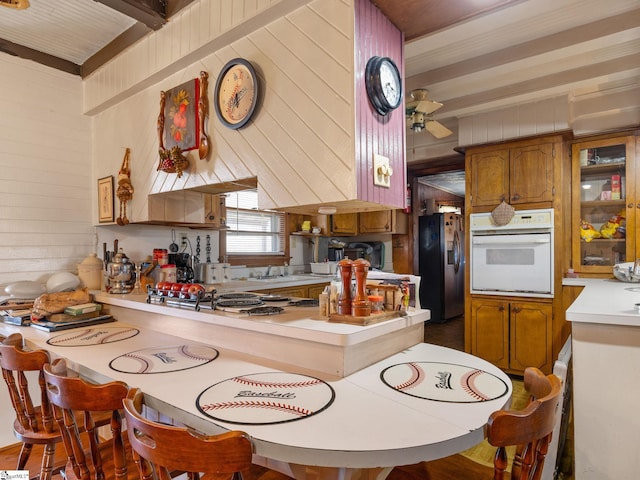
(344, 301)
(361, 305)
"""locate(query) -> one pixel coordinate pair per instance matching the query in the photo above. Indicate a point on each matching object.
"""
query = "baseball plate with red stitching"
(164, 359)
(265, 398)
(81, 337)
(444, 382)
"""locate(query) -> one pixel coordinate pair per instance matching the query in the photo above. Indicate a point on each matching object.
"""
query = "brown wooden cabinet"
(316, 290)
(605, 196)
(377, 222)
(520, 174)
(344, 224)
(513, 334)
(215, 210)
(300, 291)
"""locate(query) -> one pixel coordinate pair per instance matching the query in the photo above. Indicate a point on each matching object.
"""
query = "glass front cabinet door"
(604, 204)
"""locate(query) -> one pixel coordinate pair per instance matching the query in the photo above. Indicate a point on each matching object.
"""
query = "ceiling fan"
(419, 111)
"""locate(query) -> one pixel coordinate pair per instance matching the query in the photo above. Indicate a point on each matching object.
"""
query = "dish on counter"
(624, 272)
(237, 296)
(274, 298)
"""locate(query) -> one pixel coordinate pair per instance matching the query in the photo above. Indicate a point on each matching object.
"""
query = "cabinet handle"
(501, 308)
(515, 197)
(629, 205)
(516, 309)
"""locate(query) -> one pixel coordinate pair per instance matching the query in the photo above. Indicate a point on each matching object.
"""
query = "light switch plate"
(381, 171)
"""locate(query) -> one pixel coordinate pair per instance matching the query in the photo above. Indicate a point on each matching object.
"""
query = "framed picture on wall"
(105, 199)
(179, 116)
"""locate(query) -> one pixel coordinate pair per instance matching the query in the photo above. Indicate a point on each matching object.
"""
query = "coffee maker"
(184, 270)
(335, 251)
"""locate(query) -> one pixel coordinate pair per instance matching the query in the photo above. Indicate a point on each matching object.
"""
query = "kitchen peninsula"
(356, 427)
(298, 336)
(605, 335)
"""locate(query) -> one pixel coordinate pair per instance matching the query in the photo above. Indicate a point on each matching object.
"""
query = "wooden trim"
(152, 13)
(113, 48)
(43, 58)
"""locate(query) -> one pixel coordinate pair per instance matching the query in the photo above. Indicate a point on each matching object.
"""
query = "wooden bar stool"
(78, 406)
(34, 423)
(164, 448)
(529, 430)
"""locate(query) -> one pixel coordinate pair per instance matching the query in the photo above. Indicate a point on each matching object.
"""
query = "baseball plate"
(81, 337)
(444, 382)
(164, 359)
(265, 398)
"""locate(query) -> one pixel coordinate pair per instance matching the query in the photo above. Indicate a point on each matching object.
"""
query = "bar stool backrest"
(165, 448)
(15, 362)
(79, 406)
(529, 429)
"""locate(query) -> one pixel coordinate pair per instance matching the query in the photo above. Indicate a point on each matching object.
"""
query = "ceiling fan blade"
(437, 129)
(428, 106)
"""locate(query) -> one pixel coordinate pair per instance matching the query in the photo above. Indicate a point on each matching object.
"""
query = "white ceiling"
(73, 30)
(527, 51)
(522, 51)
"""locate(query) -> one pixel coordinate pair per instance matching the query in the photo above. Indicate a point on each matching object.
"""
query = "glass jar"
(377, 303)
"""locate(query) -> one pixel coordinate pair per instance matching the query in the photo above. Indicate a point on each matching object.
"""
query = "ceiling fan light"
(417, 122)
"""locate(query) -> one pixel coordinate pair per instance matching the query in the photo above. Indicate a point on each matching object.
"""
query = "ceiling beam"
(152, 13)
(113, 48)
(540, 46)
(27, 53)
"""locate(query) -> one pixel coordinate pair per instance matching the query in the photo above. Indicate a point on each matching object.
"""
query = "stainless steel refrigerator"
(441, 260)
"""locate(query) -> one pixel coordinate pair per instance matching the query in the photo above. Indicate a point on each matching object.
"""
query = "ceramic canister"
(90, 272)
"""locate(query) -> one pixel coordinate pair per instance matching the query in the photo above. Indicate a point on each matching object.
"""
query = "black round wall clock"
(384, 84)
(236, 93)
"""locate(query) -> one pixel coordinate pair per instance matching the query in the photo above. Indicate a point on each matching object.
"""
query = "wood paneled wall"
(300, 143)
(376, 134)
(45, 172)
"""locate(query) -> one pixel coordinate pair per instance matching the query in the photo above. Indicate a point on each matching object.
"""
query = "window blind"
(253, 231)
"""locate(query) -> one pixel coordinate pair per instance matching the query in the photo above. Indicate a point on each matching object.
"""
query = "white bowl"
(25, 289)
(324, 268)
(623, 272)
(62, 282)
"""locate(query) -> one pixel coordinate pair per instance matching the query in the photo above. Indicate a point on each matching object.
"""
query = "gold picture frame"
(105, 200)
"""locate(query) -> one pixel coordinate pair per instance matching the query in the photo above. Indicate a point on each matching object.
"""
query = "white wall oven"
(513, 259)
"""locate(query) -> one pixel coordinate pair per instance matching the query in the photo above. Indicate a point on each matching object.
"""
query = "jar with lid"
(168, 273)
(121, 275)
(90, 272)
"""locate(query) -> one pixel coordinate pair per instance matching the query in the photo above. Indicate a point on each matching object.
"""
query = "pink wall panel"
(375, 35)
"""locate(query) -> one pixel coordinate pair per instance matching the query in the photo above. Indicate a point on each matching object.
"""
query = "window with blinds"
(252, 231)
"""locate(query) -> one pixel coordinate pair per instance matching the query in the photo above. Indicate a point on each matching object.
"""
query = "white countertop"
(299, 322)
(604, 301)
(297, 336)
(368, 425)
(251, 284)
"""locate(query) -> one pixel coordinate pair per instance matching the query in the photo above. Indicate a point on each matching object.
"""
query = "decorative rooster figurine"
(125, 189)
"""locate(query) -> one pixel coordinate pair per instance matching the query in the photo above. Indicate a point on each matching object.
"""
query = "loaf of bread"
(50, 303)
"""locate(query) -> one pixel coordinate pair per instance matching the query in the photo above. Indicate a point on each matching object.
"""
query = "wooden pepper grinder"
(361, 305)
(344, 301)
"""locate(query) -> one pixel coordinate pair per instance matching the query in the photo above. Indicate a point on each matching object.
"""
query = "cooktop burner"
(239, 302)
(305, 302)
(235, 296)
(263, 310)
